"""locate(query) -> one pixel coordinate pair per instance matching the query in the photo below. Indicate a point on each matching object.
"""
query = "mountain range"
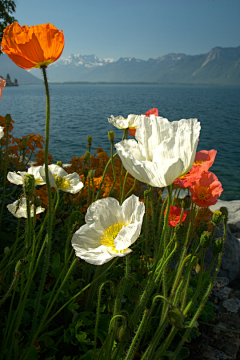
(220, 66)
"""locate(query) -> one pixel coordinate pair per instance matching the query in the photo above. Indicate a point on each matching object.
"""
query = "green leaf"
(48, 341)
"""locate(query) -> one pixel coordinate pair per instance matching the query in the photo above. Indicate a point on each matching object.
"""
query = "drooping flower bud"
(86, 156)
(59, 163)
(224, 211)
(123, 334)
(205, 239)
(176, 317)
(217, 218)
(89, 140)
(20, 265)
(24, 143)
(8, 119)
(29, 184)
(217, 247)
(111, 135)
(201, 228)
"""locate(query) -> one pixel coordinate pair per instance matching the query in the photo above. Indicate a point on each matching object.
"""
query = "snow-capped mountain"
(218, 66)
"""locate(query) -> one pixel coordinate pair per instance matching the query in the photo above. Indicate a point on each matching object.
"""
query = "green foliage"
(7, 7)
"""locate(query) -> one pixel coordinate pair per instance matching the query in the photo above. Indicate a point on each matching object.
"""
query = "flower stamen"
(110, 235)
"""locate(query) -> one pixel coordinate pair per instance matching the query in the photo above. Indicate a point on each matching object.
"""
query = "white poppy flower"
(61, 180)
(109, 230)
(19, 208)
(1, 132)
(119, 122)
(163, 151)
(18, 178)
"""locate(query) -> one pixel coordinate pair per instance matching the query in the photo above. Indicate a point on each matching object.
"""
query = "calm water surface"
(81, 110)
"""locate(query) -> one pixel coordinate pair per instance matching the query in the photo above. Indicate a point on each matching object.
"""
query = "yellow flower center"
(110, 234)
(198, 162)
(38, 181)
(172, 217)
(61, 182)
(203, 193)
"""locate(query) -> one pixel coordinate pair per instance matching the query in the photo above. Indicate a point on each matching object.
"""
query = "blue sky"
(137, 28)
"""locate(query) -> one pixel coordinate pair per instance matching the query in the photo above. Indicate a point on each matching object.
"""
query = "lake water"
(81, 110)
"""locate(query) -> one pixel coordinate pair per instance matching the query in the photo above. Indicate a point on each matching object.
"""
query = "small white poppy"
(18, 178)
(109, 230)
(61, 180)
(1, 132)
(19, 208)
(119, 122)
(163, 151)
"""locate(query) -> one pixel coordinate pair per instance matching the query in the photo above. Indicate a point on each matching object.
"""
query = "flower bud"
(111, 135)
(59, 163)
(224, 211)
(205, 239)
(86, 156)
(91, 174)
(24, 143)
(8, 119)
(20, 265)
(187, 202)
(29, 184)
(217, 247)
(135, 292)
(201, 228)
(89, 140)
(217, 218)
(37, 201)
(123, 334)
(6, 250)
(176, 317)
(85, 173)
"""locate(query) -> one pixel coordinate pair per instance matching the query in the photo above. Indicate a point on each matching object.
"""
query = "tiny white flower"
(18, 178)
(109, 230)
(119, 122)
(163, 151)
(61, 180)
(1, 132)
(19, 208)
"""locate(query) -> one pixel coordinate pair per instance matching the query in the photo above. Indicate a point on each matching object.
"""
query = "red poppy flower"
(152, 111)
(32, 47)
(206, 190)
(205, 158)
(174, 215)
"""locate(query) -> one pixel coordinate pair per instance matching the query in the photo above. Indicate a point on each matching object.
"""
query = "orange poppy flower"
(152, 111)
(206, 190)
(205, 158)
(174, 215)
(187, 179)
(32, 47)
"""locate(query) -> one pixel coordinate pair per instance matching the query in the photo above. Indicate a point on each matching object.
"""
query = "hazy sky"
(137, 28)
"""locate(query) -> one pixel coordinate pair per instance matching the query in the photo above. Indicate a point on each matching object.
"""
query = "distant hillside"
(7, 66)
(220, 66)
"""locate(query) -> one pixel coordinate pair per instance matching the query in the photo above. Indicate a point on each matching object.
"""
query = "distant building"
(9, 82)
